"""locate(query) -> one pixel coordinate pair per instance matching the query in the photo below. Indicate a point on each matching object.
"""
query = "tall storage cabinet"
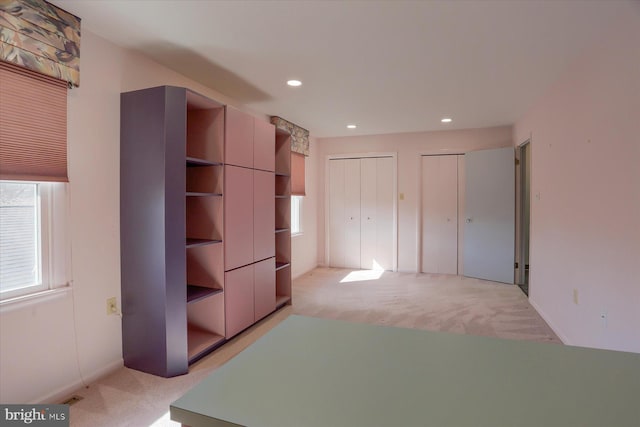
(171, 228)
(198, 215)
(250, 274)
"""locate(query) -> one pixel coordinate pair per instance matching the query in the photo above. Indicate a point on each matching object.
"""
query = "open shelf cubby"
(205, 320)
(283, 186)
(205, 179)
(204, 218)
(283, 153)
(205, 275)
(283, 285)
(205, 129)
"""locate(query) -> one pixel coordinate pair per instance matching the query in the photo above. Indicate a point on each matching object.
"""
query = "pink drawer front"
(238, 300)
(264, 215)
(264, 287)
(238, 140)
(264, 145)
(238, 217)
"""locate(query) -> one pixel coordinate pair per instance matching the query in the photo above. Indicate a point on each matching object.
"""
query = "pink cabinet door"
(264, 145)
(264, 287)
(264, 215)
(238, 139)
(238, 300)
(238, 217)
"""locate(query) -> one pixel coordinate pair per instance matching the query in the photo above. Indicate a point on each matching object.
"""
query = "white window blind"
(20, 240)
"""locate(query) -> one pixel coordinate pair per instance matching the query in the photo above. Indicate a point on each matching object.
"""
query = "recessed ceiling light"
(446, 120)
(351, 126)
(294, 82)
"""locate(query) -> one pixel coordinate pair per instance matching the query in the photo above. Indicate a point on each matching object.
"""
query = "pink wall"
(54, 326)
(585, 206)
(409, 147)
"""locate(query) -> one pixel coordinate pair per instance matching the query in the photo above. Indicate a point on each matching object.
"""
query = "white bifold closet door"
(376, 209)
(440, 214)
(361, 213)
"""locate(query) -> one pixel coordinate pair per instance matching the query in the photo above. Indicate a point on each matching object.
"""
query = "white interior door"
(344, 213)
(352, 213)
(376, 207)
(368, 209)
(489, 229)
(337, 214)
(440, 214)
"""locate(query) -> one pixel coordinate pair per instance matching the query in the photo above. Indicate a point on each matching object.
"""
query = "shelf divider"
(191, 243)
(281, 265)
(196, 293)
(200, 194)
(194, 161)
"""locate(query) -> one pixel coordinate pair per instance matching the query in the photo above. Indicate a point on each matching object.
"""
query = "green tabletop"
(310, 372)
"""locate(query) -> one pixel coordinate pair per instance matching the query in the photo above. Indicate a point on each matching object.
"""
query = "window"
(33, 253)
(296, 215)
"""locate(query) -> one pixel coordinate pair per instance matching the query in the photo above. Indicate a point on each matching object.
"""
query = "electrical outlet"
(575, 296)
(112, 306)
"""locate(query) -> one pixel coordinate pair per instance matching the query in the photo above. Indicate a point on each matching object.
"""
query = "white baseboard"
(64, 392)
(553, 327)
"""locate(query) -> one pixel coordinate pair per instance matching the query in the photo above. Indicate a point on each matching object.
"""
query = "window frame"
(53, 245)
(299, 201)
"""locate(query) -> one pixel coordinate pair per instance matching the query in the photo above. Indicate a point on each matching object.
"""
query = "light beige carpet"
(435, 302)
(422, 301)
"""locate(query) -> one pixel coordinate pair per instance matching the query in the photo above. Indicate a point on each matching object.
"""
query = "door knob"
(448, 219)
(368, 218)
(350, 217)
(469, 220)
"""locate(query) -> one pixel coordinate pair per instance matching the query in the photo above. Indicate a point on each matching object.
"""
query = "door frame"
(327, 200)
(520, 206)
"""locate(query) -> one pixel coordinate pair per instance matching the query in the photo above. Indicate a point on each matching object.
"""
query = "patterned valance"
(299, 136)
(41, 37)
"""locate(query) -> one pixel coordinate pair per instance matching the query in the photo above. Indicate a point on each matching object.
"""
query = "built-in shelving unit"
(204, 219)
(172, 156)
(283, 217)
(203, 187)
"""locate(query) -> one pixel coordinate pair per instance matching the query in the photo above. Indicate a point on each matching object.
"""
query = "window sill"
(15, 303)
(297, 234)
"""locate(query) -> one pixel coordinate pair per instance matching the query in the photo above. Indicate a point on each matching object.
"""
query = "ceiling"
(387, 66)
